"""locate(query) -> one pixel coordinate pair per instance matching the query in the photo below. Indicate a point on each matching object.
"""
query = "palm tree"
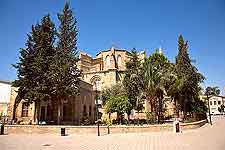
(175, 89)
(150, 80)
(212, 91)
(155, 79)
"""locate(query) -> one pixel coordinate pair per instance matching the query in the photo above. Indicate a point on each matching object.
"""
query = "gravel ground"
(205, 138)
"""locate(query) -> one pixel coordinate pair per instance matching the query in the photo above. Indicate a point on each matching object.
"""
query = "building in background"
(215, 103)
(105, 70)
(5, 92)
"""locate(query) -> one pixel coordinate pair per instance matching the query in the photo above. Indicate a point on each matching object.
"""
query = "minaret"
(160, 50)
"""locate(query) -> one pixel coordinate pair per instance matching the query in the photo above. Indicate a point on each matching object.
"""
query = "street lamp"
(210, 119)
(96, 98)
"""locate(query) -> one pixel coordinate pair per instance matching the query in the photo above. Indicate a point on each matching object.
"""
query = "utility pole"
(210, 119)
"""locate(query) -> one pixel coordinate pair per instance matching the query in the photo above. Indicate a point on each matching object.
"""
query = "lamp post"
(96, 98)
(210, 119)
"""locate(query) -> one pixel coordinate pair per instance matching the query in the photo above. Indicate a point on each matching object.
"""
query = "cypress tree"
(64, 71)
(132, 79)
(33, 66)
(190, 76)
(64, 67)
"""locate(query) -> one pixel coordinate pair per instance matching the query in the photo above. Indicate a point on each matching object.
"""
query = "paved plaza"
(205, 138)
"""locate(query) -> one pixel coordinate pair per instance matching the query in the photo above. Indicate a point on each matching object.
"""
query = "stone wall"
(193, 125)
(86, 130)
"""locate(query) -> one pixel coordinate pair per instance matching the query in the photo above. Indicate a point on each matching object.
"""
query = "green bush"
(106, 121)
(151, 117)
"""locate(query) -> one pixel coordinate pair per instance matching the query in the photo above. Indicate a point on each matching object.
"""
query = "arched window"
(107, 60)
(96, 82)
(24, 109)
(119, 62)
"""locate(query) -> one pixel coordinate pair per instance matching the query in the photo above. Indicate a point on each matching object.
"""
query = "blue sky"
(125, 23)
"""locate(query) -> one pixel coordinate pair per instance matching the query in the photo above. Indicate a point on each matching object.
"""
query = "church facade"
(105, 70)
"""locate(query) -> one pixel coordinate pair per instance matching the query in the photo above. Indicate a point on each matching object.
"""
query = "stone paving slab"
(205, 138)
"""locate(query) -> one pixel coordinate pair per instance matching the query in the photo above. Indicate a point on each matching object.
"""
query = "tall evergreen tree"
(66, 57)
(33, 67)
(189, 75)
(132, 78)
(64, 71)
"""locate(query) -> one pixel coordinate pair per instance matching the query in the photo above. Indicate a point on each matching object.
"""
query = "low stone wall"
(193, 125)
(87, 130)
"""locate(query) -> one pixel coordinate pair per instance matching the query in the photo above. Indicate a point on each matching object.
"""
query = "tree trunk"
(120, 116)
(35, 112)
(59, 112)
(138, 117)
(150, 99)
(109, 115)
(176, 108)
(128, 118)
(14, 112)
(185, 110)
(38, 112)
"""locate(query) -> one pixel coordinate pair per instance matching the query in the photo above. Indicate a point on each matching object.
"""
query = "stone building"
(104, 70)
(108, 68)
(73, 111)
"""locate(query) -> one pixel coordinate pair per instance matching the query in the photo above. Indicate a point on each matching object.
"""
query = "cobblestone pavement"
(205, 138)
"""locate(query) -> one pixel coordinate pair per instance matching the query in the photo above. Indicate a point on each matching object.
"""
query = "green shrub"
(106, 121)
(151, 117)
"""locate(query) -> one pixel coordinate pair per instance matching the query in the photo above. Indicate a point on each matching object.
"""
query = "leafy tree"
(118, 104)
(109, 94)
(132, 79)
(199, 106)
(115, 90)
(33, 66)
(140, 104)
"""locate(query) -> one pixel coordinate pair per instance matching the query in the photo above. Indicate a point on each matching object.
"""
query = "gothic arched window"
(119, 62)
(96, 82)
(107, 60)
